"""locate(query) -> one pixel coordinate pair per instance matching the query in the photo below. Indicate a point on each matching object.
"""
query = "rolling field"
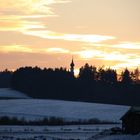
(37, 108)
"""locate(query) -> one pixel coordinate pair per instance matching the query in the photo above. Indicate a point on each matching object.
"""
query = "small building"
(131, 121)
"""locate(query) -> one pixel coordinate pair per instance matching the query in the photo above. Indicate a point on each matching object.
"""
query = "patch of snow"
(121, 137)
(9, 93)
(37, 108)
(65, 109)
(81, 132)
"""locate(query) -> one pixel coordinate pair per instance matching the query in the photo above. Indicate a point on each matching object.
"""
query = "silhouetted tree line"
(91, 85)
(50, 121)
(5, 78)
(47, 83)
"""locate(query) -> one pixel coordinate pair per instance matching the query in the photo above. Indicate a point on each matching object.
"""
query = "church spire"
(72, 67)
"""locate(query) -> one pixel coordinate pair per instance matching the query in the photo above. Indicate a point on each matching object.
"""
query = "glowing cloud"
(20, 48)
(19, 25)
(115, 56)
(27, 7)
(15, 48)
(102, 55)
(19, 15)
(126, 65)
(127, 45)
(57, 50)
(88, 38)
(88, 54)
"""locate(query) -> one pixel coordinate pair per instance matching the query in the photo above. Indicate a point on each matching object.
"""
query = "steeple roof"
(72, 63)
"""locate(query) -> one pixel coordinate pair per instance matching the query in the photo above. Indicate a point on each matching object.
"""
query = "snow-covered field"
(30, 108)
(120, 137)
(37, 108)
(8, 93)
(74, 132)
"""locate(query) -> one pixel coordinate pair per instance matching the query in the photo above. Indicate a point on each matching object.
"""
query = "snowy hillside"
(8, 93)
(34, 108)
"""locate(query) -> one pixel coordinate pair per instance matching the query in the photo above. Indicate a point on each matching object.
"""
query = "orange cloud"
(25, 49)
(88, 38)
(19, 23)
(127, 45)
(15, 48)
(57, 50)
(15, 7)
(89, 54)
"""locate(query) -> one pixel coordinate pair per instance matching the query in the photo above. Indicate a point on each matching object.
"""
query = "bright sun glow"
(76, 72)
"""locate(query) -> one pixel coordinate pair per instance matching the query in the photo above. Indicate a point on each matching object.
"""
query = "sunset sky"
(47, 33)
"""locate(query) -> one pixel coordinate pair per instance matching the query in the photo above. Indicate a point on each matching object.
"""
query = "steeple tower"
(72, 67)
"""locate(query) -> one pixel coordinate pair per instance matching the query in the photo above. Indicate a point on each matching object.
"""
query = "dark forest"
(92, 84)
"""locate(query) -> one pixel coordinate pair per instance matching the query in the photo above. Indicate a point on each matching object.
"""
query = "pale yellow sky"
(47, 33)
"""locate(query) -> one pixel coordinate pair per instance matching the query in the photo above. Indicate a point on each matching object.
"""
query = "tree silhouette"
(87, 72)
(5, 78)
(107, 76)
(126, 77)
(136, 75)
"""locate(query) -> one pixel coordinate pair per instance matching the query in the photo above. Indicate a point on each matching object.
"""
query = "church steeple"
(72, 67)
